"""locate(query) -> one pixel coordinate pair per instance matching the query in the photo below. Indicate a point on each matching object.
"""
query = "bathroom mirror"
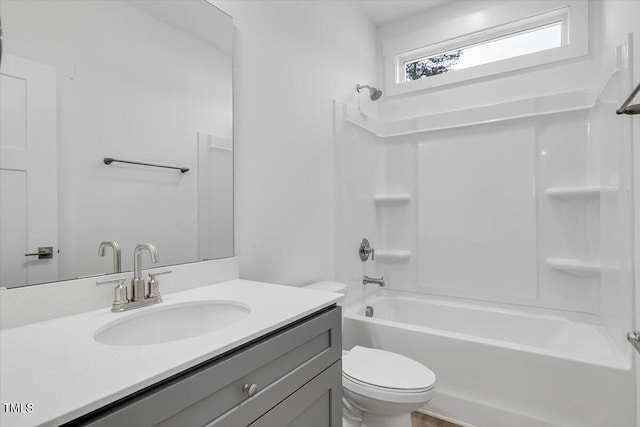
(140, 81)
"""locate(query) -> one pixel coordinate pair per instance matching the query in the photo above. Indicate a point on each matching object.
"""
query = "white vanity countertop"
(58, 368)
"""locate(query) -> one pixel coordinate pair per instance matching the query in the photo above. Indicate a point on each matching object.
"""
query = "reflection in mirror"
(140, 81)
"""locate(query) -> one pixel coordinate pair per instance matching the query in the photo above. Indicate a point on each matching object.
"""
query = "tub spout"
(366, 280)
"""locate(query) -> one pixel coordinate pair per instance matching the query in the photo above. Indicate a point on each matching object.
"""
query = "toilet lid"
(385, 369)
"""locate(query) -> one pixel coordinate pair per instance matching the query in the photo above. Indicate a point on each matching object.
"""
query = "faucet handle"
(111, 281)
(160, 273)
(121, 296)
(154, 290)
(366, 250)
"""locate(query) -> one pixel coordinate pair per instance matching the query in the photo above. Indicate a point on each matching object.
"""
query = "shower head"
(374, 93)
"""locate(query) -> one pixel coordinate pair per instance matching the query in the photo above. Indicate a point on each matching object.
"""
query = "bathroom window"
(510, 37)
(510, 46)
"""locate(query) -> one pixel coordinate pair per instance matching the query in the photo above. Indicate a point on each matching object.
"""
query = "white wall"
(291, 59)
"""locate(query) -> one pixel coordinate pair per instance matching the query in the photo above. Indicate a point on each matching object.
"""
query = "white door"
(28, 171)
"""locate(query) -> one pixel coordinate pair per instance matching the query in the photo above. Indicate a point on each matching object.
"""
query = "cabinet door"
(316, 404)
(213, 393)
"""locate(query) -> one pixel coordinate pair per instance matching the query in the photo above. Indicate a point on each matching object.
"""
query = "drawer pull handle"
(251, 390)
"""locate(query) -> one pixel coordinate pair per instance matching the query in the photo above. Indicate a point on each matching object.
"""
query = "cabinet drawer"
(212, 392)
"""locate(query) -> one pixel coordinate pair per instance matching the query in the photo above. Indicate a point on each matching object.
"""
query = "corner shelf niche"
(578, 194)
(391, 199)
(393, 255)
(575, 266)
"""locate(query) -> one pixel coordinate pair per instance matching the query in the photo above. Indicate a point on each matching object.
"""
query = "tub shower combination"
(497, 367)
(518, 300)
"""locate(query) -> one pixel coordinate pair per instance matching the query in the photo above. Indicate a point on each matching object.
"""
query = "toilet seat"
(393, 396)
(387, 376)
(359, 383)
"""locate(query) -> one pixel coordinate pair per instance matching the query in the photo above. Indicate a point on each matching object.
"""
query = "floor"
(422, 420)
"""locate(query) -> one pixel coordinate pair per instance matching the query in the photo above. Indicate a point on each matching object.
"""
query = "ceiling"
(384, 11)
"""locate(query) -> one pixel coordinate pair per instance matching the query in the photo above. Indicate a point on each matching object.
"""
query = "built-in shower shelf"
(391, 199)
(394, 255)
(575, 266)
(578, 194)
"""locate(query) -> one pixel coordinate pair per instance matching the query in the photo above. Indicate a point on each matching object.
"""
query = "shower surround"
(520, 216)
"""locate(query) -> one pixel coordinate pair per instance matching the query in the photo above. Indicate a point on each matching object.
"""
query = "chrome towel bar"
(109, 160)
(625, 108)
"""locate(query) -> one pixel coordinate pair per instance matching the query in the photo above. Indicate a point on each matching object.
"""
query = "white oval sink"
(172, 323)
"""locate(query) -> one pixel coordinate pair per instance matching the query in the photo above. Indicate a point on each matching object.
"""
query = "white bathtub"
(503, 368)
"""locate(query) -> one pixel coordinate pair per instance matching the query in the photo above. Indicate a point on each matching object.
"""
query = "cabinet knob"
(250, 389)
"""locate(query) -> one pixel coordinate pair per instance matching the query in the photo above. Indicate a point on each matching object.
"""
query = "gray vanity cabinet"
(296, 370)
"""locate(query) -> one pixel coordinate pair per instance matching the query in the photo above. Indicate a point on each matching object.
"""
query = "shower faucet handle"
(365, 250)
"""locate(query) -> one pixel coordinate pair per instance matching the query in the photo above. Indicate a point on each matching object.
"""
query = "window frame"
(573, 15)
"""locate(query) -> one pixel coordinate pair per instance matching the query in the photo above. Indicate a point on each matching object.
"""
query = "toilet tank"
(328, 286)
(338, 288)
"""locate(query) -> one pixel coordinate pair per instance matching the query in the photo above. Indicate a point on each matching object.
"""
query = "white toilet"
(380, 388)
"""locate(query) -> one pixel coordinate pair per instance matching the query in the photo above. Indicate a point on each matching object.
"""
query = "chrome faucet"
(117, 258)
(138, 282)
(141, 295)
(366, 280)
(366, 250)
